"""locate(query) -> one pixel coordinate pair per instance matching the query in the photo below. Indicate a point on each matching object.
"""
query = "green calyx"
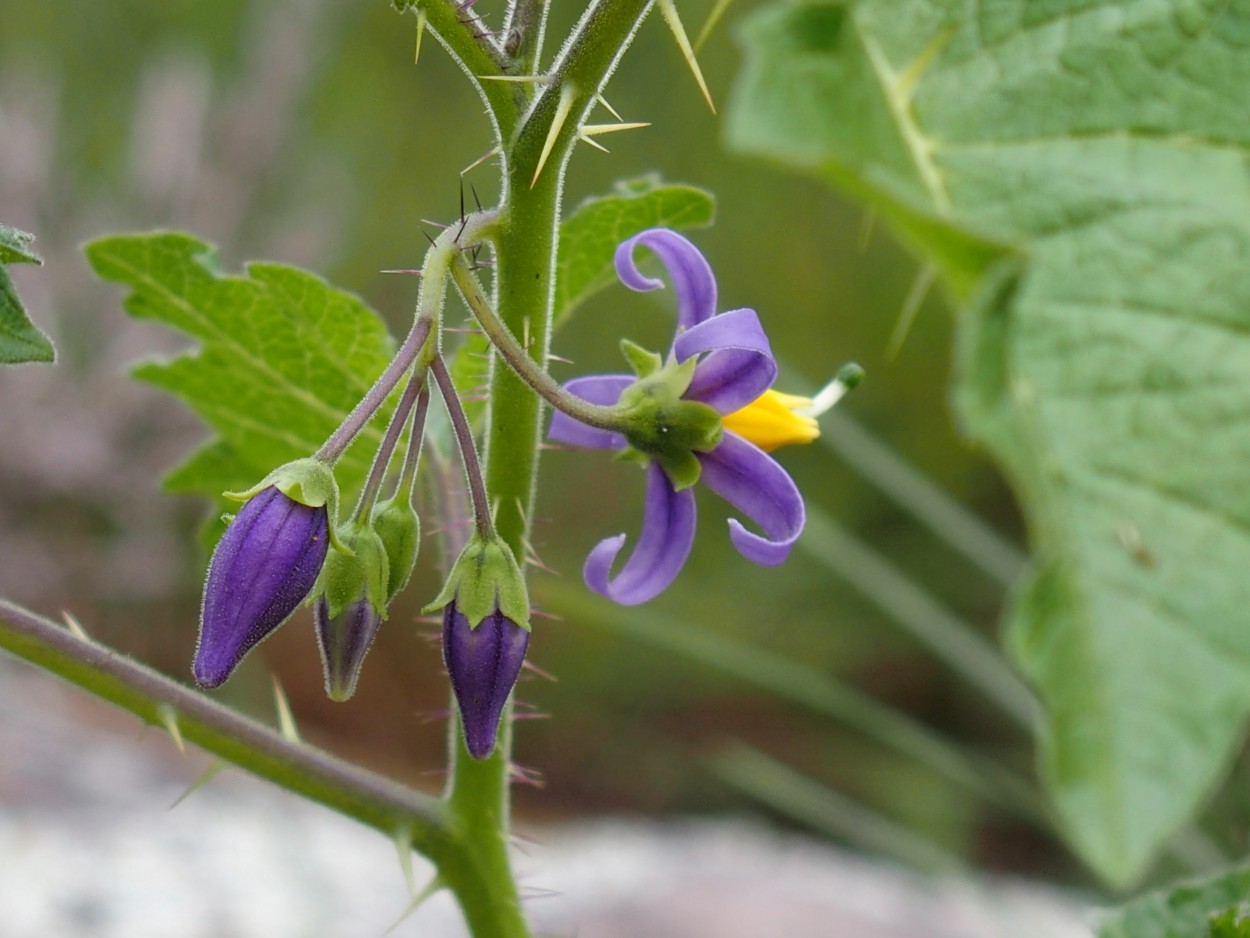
(360, 569)
(485, 578)
(308, 481)
(663, 427)
(399, 529)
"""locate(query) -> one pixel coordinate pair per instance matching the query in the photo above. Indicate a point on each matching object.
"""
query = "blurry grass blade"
(812, 689)
(802, 799)
(286, 720)
(950, 639)
(920, 287)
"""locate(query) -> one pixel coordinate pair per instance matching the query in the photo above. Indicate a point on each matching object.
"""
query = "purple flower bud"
(344, 641)
(263, 567)
(483, 663)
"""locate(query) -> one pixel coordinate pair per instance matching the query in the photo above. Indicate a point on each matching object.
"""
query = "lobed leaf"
(1211, 908)
(281, 358)
(1078, 172)
(20, 341)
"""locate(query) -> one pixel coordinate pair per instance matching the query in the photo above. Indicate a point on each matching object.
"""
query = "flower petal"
(692, 277)
(755, 484)
(740, 366)
(263, 567)
(597, 389)
(344, 642)
(661, 552)
(483, 663)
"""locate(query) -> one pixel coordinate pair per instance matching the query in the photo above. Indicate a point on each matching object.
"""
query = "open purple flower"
(263, 567)
(719, 360)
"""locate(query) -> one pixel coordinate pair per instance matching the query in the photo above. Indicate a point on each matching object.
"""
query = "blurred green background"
(302, 132)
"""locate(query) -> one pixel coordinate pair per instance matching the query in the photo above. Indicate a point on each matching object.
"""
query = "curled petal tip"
(693, 280)
(755, 484)
(667, 535)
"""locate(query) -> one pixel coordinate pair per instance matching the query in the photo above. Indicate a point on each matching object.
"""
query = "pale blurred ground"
(89, 847)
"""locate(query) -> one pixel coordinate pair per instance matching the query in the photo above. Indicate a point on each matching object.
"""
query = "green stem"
(468, 449)
(429, 303)
(156, 699)
(525, 252)
(382, 458)
(467, 40)
(595, 415)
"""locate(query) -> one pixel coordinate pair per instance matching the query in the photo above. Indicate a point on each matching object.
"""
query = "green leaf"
(1078, 174)
(282, 357)
(590, 235)
(588, 241)
(1208, 909)
(20, 341)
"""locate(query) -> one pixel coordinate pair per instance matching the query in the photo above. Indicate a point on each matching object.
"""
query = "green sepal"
(308, 481)
(485, 578)
(668, 428)
(399, 528)
(360, 569)
(682, 468)
(643, 361)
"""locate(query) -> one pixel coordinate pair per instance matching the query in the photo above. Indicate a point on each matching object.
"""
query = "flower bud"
(344, 641)
(486, 626)
(263, 567)
(350, 606)
(483, 663)
(398, 526)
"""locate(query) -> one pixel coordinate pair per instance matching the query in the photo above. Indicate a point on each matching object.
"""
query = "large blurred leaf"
(1105, 348)
(282, 356)
(20, 341)
(1209, 909)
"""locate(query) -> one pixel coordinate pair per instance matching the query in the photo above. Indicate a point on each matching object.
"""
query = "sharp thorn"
(286, 722)
(594, 143)
(567, 96)
(611, 110)
(480, 160)
(668, 9)
(593, 130)
(710, 23)
(74, 625)
(169, 719)
(416, 58)
(205, 777)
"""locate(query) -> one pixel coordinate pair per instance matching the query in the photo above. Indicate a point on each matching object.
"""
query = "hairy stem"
(468, 449)
(156, 699)
(382, 458)
(595, 415)
(433, 287)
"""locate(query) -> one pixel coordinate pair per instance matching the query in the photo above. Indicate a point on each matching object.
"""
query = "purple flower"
(483, 663)
(344, 641)
(263, 567)
(734, 367)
